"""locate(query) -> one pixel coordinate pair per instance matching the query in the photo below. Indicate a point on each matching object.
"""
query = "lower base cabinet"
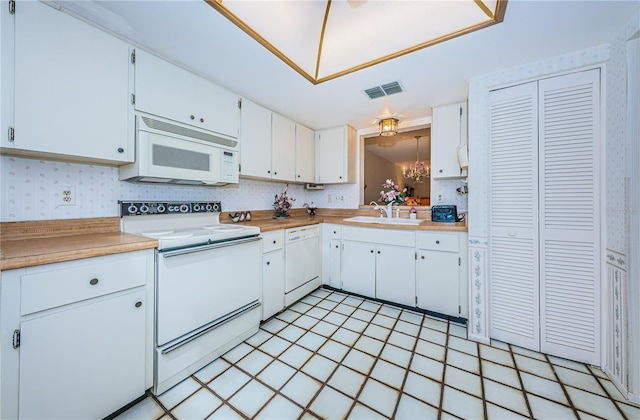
(441, 270)
(272, 273)
(85, 362)
(76, 337)
(379, 263)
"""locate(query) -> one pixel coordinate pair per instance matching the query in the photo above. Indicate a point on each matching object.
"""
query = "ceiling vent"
(384, 90)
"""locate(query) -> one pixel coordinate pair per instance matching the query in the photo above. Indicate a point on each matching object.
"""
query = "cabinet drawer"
(438, 242)
(272, 240)
(64, 283)
(335, 231)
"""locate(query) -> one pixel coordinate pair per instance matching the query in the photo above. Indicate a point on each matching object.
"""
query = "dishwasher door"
(302, 272)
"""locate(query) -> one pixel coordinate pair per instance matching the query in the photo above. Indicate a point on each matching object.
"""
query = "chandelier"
(417, 172)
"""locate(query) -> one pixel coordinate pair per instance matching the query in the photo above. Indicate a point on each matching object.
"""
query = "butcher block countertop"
(25, 244)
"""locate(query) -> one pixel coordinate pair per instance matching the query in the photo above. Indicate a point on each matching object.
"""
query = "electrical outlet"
(67, 196)
(439, 197)
(340, 198)
(329, 198)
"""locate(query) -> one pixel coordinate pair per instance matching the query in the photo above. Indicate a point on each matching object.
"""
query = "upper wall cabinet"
(255, 141)
(448, 133)
(283, 148)
(171, 92)
(305, 154)
(71, 89)
(335, 155)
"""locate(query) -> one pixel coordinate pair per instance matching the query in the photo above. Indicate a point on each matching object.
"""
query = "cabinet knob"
(192, 117)
(120, 150)
(298, 176)
(337, 247)
(93, 281)
(275, 173)
(440, 171)
(334, 232)
(372, 251)
(138, 304)
(437, 242)
(268, 172)
(201, 120)
(274, 242)
(340, 176)
(422, 257)
(378, 252)
(268, 262)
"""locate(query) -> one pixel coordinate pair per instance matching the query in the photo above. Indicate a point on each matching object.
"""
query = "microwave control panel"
(228, 167)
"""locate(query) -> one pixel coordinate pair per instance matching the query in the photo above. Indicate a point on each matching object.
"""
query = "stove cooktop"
(180, 224)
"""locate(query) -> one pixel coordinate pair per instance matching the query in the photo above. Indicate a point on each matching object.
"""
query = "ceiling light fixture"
(418, 172)
(388, 127)
(325, 39)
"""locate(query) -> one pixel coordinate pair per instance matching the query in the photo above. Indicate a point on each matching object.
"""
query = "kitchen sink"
(384, 220)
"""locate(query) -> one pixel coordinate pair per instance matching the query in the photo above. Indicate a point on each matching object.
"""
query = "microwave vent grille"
(187, 132)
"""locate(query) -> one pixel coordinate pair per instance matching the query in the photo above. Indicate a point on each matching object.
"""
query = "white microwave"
(170, 153)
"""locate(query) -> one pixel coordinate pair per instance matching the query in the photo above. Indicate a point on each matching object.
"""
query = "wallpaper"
(31, 189)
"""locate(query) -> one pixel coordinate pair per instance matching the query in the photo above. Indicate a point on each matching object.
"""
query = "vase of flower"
(282, 204)
(311, 209)
(391, 194)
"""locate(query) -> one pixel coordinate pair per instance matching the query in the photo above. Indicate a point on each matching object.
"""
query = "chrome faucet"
(388, 209)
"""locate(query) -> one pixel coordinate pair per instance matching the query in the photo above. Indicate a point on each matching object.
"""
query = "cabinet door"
(272, 283)
(166, 90)
(448, 131)
(283, 148)
(359, 268)
(396, 274)
(305, 154)
(331, 155)
(255, 140)
(438, 282)
(71, 87)
(72, 359)
(219, 108)
(335, 253)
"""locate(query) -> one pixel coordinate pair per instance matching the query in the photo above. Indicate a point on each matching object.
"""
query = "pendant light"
(418, 172)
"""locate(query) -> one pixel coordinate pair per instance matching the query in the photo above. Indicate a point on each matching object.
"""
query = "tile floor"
(335, 356)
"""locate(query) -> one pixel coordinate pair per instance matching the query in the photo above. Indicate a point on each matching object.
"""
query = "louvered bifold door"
(513, 213)
(569, 216)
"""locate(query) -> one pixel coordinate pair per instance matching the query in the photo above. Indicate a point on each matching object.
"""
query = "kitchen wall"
(30, 189)
(376, 171)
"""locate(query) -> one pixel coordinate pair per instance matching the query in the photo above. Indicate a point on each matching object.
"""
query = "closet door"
(569, 216)
(513, 212)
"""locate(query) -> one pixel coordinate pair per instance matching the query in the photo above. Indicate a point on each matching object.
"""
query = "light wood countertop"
(26, 244)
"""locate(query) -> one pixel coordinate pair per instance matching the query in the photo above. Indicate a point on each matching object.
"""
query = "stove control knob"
(209, 207)
(132, 209)
(144, 209)
(196, 207)
(216, 207)
(184, 208)
(161, 208)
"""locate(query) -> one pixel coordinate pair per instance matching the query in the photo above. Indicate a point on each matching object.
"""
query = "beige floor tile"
(301, 388)
(534, 366)
(360, 361)
(250, 399)
(463, 380)
(411, 408)
(593, 404)
(496, 355)
(500, 373)
(347, 380)
(333, 350)
(213, 369)
(463, 345)
(331, 404)
(179, 392)
(279, 408)
(369, 345)
(424, 389)
(311, 341)
(388, 373)
(543, 387)
(498, 413)
(379, 397)
(145, 409)
(276, 374)
(427, 367)
(431, 350)
(324, 329)
(319, 367)
(198, 406)
(396, 355)
(305, 322)
(462, 405)
(401, 340)
(225, 413)
(254, 362)
(584, 381)
(292, 333)
(229, 382)
(545, 409)
(364, 413)
(505, 396)
(295, 356)
(345, 336)
(463, 361)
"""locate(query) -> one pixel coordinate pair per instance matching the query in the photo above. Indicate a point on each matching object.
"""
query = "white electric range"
(207, 283)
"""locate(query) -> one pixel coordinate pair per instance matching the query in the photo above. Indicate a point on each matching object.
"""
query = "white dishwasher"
(302, 261)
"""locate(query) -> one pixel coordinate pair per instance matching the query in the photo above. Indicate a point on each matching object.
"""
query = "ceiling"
(194, 35)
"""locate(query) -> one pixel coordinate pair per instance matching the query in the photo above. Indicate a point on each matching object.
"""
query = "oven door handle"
(168, 254)
(213, 325)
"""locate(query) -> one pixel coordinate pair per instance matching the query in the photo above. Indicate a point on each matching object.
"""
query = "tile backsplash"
(31, 189)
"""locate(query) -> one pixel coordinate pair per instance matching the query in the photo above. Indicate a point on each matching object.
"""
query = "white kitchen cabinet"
(305, 154)
(441, 276)
(379, 263)
(359, 268)
(396, 274)
(169, 91)
(255, 141)
(86, 326)
(72, 89)
(331, 255)
(448, 133)
(336, 155)
(283, 148)
(272, 273)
